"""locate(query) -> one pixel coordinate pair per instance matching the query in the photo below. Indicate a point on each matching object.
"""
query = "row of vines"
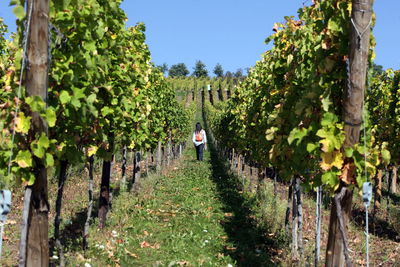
(103, 95)
(290, 113)
(216, 89)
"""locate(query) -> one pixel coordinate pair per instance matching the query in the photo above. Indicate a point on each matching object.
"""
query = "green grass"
(194, 215)
(175, 218)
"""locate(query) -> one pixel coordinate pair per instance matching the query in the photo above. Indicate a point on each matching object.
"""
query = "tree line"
(199, 71)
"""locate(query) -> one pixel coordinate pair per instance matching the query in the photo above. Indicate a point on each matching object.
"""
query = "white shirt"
(197, 143)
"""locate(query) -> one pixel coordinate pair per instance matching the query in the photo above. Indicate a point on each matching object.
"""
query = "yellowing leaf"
(326, 145)
(130, 253)
(331, 159)
(24, 159)
(270, 133)
(92, 150)
(22, 123)
(148, 109)
(114, 36)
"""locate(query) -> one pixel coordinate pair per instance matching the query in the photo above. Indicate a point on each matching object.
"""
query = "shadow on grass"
(378, 226)
(395, 198)
(71, 235)
(252, 245)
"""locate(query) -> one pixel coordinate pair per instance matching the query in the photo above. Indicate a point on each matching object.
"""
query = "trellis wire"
(366, 204)
(318, 226)
(366, 177)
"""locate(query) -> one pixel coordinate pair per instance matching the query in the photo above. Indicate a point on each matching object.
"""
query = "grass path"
(192, 216)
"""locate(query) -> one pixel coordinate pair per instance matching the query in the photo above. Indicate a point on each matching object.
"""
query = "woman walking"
(199, 140)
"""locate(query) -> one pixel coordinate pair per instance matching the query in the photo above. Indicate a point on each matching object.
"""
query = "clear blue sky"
(230, 32)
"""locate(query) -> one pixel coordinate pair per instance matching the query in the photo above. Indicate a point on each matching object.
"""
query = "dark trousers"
(199, 151)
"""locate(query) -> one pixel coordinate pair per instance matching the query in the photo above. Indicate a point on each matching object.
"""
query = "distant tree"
(377, 69)
(218, 71)
(163, 68)
(178, 70)
(247, 71)
(200, 70)
(228, 74)
(238, 73)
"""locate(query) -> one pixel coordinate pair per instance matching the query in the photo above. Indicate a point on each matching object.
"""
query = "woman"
(199, 140)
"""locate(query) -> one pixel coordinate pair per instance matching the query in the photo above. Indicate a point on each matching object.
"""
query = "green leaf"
(39, 146)
(51, 117)
(75, 102)
(386, 156)
(330, 178)
(332, 25)
(49, 160)
(64, 97)
(297, 133)
(91, 98)
(19, 12)
(329, 119)
(79, 93)
(37, 150)
(106, 110)
(36, 103)
(31, 179)
(44, 141)
(311, 147)
(348, 151)
(24, 159)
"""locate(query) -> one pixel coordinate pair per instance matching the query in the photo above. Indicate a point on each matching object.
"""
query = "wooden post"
(287, 214)
(239, 166)
(295, 248)
(202, 97)
(104, 199)
(210, 96)
(337, 250)
(148, 155)
(34, 243)
(232, 158)
(137, 169)
(393, 184)
(57, 219)
(158, 157)
(123, 168)
(299, 209)
(105, 190)
(90, 204)
(169, 149)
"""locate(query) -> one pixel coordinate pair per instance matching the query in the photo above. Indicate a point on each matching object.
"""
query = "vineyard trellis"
(288, 111)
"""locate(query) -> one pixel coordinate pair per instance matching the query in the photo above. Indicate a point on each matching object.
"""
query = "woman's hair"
(198, 127)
